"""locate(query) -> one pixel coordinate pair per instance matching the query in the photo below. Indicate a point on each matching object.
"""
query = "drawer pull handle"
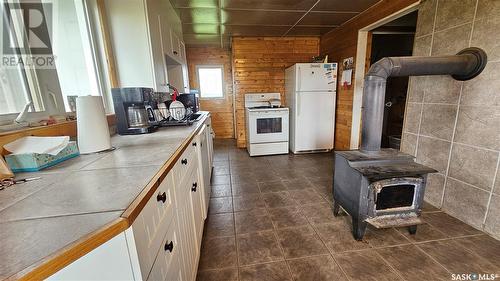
(195, 185)
(161, 197)
(169, 247)
(195, 144)
(184, 161)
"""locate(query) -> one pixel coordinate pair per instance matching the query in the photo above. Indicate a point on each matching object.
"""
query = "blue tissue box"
(32, 162)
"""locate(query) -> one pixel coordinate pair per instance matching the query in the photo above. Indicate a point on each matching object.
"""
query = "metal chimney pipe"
(465, 65)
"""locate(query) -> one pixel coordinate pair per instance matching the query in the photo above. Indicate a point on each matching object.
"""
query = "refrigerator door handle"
(298, 78)
(298, 103)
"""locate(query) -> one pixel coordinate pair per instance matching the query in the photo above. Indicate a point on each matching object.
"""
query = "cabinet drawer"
(150, 226)
(168, 257)
(185, 163)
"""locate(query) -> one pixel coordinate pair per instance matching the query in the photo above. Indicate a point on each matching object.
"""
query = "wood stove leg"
(336, 209)
(358, 229)
(412, 229)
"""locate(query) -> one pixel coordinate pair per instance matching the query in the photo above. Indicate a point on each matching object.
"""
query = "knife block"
(5, 172)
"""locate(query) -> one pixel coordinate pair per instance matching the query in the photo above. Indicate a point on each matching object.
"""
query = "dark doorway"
(392, 40)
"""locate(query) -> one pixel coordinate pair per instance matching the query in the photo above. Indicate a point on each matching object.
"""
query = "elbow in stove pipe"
(465, 65)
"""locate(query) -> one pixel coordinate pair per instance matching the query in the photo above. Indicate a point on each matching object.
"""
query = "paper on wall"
(346, 77)
(40, 145)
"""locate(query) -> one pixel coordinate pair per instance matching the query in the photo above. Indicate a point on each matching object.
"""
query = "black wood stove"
(385, 187)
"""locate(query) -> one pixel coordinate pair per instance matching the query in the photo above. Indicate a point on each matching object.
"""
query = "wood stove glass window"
(269, 125)
(395, 196)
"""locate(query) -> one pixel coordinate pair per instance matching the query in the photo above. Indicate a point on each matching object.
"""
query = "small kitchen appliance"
(385, 187)
(267, 124)
(190, 102)
(134, 109)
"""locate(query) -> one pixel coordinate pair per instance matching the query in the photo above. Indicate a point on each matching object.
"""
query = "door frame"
(364, 39)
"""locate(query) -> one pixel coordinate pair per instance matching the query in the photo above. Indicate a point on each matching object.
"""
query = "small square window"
(210, 80)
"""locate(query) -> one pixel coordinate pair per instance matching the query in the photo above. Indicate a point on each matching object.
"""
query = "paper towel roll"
(92, 125)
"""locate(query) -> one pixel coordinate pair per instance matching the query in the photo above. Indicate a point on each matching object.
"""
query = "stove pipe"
(465, 65)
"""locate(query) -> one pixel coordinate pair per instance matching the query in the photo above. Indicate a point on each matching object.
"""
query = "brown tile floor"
(270, 219)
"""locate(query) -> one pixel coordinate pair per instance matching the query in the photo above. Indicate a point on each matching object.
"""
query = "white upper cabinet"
(131, 44)
(158, 58)
(176, 51)
(145, 34)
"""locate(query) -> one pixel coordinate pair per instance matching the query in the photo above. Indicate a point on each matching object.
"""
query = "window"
(75, 61)
(65, 38)
(210, 80)
(18, 87)
(14, 93)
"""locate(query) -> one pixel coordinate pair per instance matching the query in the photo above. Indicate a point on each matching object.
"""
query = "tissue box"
(32, 162)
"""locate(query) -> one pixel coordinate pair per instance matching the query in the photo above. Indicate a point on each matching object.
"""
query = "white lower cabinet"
(110, 261)
(154, 220)
(163, 243)
(185, 214)
(196, 198)
(205, 169)
(167, 265)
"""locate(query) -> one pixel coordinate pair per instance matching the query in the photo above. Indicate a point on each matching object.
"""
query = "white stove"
(267, 124)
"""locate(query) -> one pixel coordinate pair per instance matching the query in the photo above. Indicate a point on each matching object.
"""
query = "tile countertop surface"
(82, 198)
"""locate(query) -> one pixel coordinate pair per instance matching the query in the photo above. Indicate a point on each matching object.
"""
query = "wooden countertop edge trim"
(140, 201)
(110, 118)
(77, 249)
(60, 259)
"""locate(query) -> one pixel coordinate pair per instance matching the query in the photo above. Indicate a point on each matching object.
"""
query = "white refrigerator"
(310, 90)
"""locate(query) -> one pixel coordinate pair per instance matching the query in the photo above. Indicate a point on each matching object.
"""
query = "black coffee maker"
(135, 110)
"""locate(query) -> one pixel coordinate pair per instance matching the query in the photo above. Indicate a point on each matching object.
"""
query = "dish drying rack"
(169, 121)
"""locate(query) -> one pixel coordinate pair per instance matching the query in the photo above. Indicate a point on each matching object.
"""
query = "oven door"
(268, 126)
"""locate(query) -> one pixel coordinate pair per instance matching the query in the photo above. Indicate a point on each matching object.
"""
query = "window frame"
(211, 66)
(53, 98)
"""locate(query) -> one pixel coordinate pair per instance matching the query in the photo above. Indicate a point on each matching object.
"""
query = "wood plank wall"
(221, 109)
(259, 66)
(341, 43)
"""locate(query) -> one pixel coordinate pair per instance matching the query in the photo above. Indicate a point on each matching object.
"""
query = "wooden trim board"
(67, 128)
(108, 47)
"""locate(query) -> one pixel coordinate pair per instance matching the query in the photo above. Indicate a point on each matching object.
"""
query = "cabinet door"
(210, 144)
(204, 168)
(176, 52)
(182, 49)
(197, 204)
(110, 261)
(185, 78)
(155, 34)
(169, 253)
(174, 272)
(185, 71)
(188, 241)
(160, 61)
(165, 36)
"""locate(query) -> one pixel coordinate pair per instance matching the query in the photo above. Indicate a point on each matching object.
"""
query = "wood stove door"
(396, 195)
